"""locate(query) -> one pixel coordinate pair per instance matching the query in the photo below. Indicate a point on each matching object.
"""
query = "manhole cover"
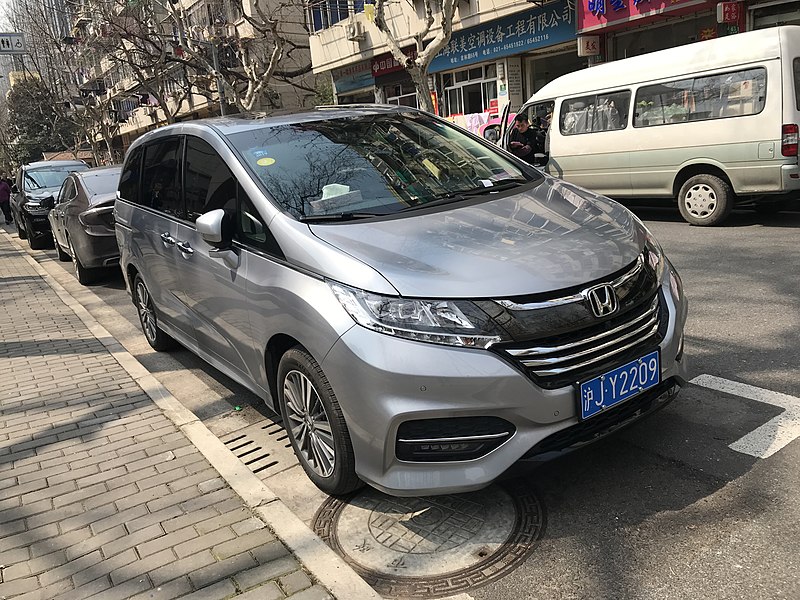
(434, 546)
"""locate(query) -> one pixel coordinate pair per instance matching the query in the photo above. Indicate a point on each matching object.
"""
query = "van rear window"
(720, 96)
(796, 65)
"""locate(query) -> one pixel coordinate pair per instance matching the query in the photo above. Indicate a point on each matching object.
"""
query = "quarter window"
(251, 229)
(208, 183)
(796, 65)
(595, 113)
(161, 187)
(701, 98)
(129, 180)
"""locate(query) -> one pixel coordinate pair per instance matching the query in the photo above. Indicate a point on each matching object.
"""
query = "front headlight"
(450, 322)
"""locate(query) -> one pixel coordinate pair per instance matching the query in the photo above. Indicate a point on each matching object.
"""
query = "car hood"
(37, 196)
(549, 238)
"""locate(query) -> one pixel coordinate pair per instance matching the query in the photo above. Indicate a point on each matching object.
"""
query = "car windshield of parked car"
(101, 183)
(373, 164)
(49, 177)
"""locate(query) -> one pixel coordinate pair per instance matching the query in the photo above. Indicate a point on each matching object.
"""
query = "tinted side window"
(67, 191)
(129, 179)
(161, 182)
(208, 182)
(796, 67)
(250, 227)
(598, 112)
(701, 98)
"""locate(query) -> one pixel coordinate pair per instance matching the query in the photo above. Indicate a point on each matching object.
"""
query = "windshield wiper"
(497, 186)
(345, 216)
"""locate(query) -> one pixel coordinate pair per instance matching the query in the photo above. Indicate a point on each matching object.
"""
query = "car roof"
(53, 163)
(98, 171)
(249, 121)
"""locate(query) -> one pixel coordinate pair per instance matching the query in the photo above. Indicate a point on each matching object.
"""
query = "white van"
(711, 124)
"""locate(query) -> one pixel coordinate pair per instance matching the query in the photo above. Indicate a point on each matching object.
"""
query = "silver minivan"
(423, 308)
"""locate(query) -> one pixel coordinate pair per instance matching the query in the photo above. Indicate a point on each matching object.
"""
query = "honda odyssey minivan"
(424, 309)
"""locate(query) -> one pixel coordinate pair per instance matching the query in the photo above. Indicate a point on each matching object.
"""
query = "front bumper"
(383, 381)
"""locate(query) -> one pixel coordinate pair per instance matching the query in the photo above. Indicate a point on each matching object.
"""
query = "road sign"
(12, 43)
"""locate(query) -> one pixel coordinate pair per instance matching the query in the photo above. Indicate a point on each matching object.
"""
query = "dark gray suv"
(33, 195)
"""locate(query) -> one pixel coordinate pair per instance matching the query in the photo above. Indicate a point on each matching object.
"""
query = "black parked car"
(82, 221)
(33, 195)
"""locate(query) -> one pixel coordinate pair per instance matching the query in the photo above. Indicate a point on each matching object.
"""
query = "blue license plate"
(618, 385)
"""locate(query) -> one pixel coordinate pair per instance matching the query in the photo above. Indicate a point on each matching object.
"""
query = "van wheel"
(159, 340)
(315, 423)
(705, 200)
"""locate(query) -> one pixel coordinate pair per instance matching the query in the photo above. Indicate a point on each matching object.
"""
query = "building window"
(401, 94)
(470, 90)
(325, 13)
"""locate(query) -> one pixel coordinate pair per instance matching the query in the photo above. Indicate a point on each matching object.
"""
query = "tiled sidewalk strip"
(101, 494)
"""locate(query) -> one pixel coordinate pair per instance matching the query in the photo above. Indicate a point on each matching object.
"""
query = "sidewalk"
(102, 492)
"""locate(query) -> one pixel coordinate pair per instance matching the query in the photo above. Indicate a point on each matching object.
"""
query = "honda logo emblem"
(602, 299)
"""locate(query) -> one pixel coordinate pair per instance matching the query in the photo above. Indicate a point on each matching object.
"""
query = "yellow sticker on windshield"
(265, 162)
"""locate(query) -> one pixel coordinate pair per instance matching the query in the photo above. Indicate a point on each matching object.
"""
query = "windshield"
(49, 177)
(371, 164)
(102, 182)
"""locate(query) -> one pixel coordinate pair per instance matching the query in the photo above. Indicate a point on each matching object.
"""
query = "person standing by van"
(5, 199)
(522, 142)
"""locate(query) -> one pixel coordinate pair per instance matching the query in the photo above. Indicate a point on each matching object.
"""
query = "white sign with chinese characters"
(12, 43)
(588, 45)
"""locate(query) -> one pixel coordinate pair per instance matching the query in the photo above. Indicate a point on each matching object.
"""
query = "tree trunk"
(420, 79)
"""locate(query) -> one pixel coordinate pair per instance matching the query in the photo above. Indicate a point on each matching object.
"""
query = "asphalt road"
(666, 509)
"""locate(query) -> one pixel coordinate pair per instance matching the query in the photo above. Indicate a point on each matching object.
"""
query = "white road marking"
(772, 435)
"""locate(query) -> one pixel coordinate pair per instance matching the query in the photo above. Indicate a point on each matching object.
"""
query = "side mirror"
(216, 228)
(48, 203)
(14, 189)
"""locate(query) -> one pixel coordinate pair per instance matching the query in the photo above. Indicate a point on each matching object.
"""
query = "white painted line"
(772, 435)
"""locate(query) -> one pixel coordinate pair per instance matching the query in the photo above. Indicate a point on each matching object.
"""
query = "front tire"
(157, 339)
(21, 231)
(705, 200)
(36, 242)
(315, 423)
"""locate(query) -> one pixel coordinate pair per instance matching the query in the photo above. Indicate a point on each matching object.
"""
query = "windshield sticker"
(265, 162)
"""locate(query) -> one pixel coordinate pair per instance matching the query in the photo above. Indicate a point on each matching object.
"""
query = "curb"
(327, 567)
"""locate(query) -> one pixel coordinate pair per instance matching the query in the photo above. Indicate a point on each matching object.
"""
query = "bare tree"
(417, 66)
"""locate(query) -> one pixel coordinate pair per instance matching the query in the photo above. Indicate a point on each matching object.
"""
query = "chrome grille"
(587, 352)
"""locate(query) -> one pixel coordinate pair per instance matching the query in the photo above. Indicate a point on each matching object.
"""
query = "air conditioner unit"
(355, 31)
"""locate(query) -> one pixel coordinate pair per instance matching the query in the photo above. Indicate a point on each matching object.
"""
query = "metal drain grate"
(264, 447)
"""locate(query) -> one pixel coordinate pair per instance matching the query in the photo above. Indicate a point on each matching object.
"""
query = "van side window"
(251, 229)
(796, 68)
(129, 179)
(208, 182)
(161, 181)
(595, 113)
(719, 96)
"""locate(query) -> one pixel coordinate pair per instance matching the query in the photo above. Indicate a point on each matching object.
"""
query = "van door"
(154, 231)
(213, 290)
(590, 142)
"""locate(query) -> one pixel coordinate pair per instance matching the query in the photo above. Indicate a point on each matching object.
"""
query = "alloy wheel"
(146, 313)
(309, 423)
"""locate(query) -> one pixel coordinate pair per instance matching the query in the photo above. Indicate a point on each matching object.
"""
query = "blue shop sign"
(353, 77)
(551, 24)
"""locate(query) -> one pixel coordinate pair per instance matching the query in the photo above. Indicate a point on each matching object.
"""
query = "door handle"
(185, 248)
(167, 239)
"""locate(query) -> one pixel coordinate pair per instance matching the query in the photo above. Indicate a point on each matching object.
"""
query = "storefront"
(485, 67)
(632, 27)
(393, 84)
(354, 84)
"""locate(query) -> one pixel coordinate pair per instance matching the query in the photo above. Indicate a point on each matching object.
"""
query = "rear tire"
(315, 423)
(705, 200)
(157, 339)
(62, 256)
(82, 274)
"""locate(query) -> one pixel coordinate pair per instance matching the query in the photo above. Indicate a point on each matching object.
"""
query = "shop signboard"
(588, 45)
(521, 32)
(387, 63)
(728, 12)
(353, 77)
(602, 14)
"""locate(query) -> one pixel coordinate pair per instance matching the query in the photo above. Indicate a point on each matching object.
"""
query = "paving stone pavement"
(101, 495)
